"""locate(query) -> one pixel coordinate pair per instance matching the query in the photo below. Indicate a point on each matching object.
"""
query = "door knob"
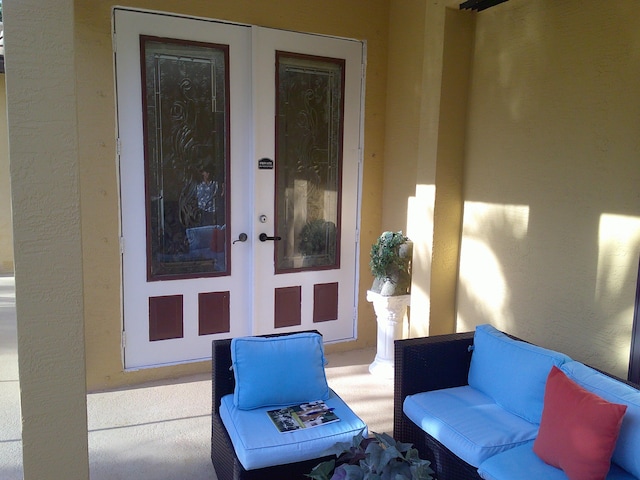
(241, 238)
(264, 237)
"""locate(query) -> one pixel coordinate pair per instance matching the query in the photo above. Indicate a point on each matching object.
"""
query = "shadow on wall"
(575, 296)
(551, 230)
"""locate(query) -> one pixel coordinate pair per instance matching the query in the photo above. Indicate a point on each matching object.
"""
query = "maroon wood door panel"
(165, 318)
(213, 313)
(288, 302)
(325, 302)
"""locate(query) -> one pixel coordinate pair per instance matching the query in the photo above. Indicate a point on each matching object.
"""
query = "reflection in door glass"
(186, 157)
(309, 126)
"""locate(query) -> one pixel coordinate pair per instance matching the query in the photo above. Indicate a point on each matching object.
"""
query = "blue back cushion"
(282, 370)
(512, 372)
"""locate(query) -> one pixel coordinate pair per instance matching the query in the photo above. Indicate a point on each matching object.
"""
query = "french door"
(239, 155)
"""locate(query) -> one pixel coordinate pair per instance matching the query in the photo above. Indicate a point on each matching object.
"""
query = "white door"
(311, 126)
(206, 167)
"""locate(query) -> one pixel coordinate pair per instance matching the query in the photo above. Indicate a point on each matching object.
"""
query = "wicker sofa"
(443, 362)
(447, 359)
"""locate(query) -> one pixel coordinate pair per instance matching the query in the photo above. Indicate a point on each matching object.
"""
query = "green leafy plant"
(374, 458)
(391, 264)
(385, 254)
(318, 237)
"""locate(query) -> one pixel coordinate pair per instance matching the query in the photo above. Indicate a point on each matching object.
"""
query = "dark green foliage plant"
(318, 237)
(385, 254)
(374, 458)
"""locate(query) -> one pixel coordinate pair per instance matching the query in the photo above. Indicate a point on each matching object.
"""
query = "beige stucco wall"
(6, 226)
(552, 211)
(98, 174)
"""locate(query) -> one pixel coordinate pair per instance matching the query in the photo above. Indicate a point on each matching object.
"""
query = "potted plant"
(391, 264)
(374, 458)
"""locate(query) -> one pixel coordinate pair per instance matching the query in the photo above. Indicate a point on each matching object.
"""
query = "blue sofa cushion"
(627, 451)
(273, 371)
(258, 443)
(512, 372)
(521, 463)
(468, 422)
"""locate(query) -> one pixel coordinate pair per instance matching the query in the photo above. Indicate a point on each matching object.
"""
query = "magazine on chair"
(305, 415)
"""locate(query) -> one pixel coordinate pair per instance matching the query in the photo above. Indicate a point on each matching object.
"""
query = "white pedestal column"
(390, 313)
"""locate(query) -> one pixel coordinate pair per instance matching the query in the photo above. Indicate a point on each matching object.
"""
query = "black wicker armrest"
(222, 381)
(429, 363)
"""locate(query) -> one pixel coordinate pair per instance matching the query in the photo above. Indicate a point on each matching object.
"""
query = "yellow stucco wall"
(96, 117)
(45, 192)
(6, 226)
(545, 167)
(551, 233)
(536, 144)
(429, 71)
(542, 160)
(402, 132)
(565, 144)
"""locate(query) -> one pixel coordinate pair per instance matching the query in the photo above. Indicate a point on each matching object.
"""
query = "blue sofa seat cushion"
(468, 422)
(521, 463)
(627, 451)
(512, 372)
(258, 443)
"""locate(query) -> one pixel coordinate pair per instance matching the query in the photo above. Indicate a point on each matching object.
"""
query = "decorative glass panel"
(309, 111)
(186, 157)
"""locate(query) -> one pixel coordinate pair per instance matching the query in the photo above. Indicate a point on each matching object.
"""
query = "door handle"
(264, 237)
(241, 238)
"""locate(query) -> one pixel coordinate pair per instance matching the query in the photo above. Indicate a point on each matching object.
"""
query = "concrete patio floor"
(162, 431)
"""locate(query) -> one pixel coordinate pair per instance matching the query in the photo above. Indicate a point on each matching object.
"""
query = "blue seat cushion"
(521, 463)
(627, 451)
(283, 370)
(512, 372)
(259, 444)
(471, 424)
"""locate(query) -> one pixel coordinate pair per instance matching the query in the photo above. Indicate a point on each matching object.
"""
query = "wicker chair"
(223, 455)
